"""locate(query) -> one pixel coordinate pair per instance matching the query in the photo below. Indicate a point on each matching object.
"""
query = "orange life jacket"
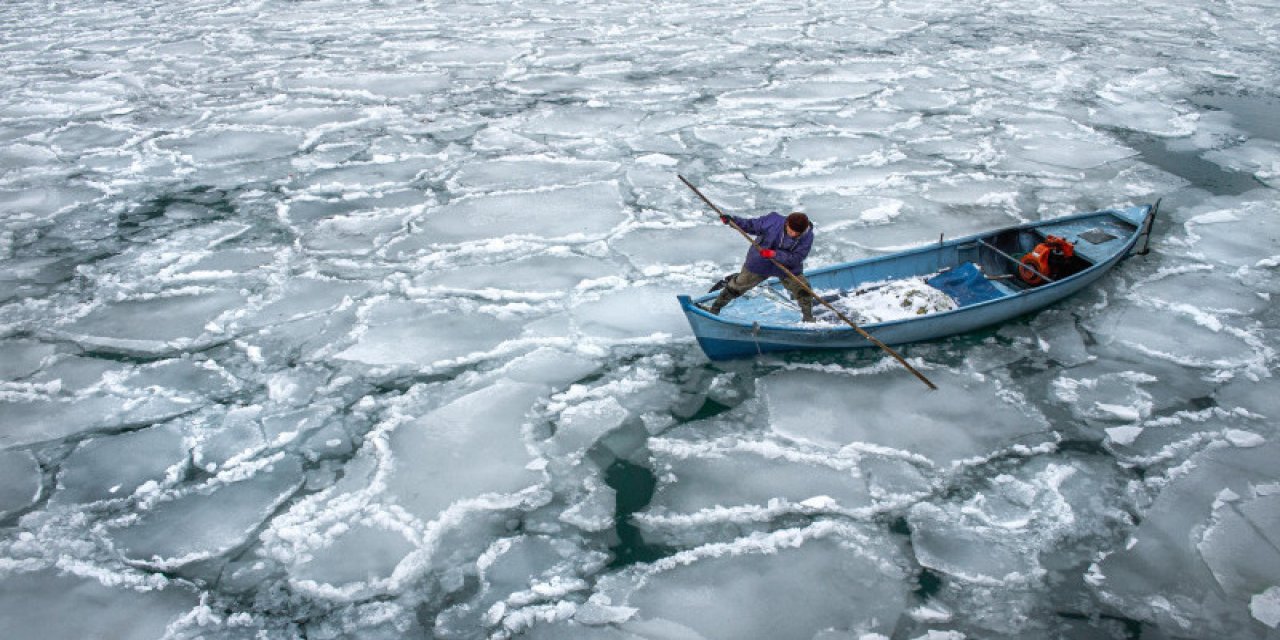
(1047, 258)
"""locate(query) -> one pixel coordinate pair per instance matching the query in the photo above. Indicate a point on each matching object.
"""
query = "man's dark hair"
(798, 222)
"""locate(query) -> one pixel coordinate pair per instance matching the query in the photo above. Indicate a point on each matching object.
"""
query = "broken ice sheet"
(518, 572)
(154, 326)
(206, 521)
(791, 583)
(531, 172)
(301, 297)
(1265, 607)
(1014, 523)
(54, 605)
(43, 420)
(669, 248)
(581, 425)
(1109, 399)
(432, 466)
(1125, 326)
(887, 410)
(418, 334)
(706, 490)
(631, 313)
(20, 481)
(535, 213)
(1219, 236)
(108, 467)
(540, 276)
(1181, 568)
(1241, 545)
(21, 358)
(358, 561)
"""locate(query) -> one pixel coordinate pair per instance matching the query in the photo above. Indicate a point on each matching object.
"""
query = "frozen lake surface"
(357, 320)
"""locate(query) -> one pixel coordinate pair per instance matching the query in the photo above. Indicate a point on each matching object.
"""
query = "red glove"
(768, 253)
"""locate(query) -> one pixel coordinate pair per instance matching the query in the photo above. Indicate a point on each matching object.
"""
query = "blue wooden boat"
(979, 272)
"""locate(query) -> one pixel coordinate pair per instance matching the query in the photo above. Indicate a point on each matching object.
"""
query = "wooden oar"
(806, 288)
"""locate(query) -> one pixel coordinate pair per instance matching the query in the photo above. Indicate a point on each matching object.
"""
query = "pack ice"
(356, 320)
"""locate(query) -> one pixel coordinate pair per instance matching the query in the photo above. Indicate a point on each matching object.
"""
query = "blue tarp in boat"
(966, 285)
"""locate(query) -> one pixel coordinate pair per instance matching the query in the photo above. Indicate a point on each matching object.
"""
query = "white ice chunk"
(970, 553)
(207, 522)
(1242, 548)
(409, 333)
(1170, 575)
(665, 248)
(596, 511)
(1070, 153)
(638, 312)
(584, 123)
(19, 481)
(1107, 399)
(1215, 291)
(530, 173)
(549, 366)
(536, 275)
(1265, 607)
(40, 203)
(798, 94)
(370, 85)
(517, 572)
(46, 605)
(1241, 438)
(887, 410)
(361, 553)
(21, 358)
(587, 210)
(595, 615)
(354, 235)
(32, 421)
(1123, 435)
(1061, 340)
(1257, 156)
(303, 297)
(707, 485)
(1226, 238)
(75, 373)
(1176, 339)
(1143, 111)
(787, 584)
(436, 463)
(830, 148)
(212, 147)
(581, 425)
(110, 467)
(154, 326)
(381, 174)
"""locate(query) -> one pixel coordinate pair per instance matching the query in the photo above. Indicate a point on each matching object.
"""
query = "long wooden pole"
(870, 338)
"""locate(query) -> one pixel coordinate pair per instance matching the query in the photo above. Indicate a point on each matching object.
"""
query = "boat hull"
(722, 338)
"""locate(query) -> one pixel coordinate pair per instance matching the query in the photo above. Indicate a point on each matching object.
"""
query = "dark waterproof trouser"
(745, 280)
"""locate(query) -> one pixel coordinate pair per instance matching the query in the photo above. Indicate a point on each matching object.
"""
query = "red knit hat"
(798, 222)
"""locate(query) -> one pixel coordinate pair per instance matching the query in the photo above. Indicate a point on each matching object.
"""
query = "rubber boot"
(725, 296)
(806, 309)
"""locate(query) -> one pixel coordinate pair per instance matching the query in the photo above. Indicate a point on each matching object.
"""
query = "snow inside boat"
(929, 292)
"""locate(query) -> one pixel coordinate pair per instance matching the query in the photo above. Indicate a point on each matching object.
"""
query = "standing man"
(786, 240)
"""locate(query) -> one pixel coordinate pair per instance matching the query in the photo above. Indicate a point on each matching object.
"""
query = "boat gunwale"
(689, 305)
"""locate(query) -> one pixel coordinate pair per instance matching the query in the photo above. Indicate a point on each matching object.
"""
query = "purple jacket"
(770, 233)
